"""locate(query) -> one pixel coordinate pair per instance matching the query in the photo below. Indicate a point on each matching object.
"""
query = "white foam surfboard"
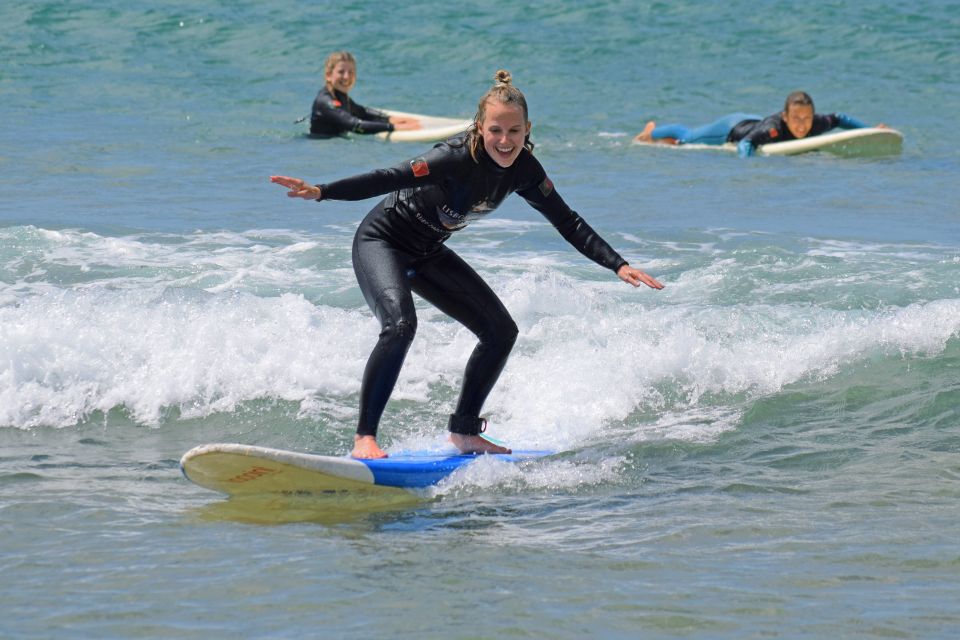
(433, 128)
(870, 141)
(867, 142)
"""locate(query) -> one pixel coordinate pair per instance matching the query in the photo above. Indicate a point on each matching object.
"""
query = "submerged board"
(238, 469)
(868, 142)
(433, 129)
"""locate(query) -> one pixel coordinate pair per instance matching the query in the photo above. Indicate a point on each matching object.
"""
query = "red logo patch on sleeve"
(546, 187)
(337, 103)
(774, 133)
(420, 167)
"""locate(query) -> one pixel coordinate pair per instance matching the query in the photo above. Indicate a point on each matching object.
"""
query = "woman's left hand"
(636, 277)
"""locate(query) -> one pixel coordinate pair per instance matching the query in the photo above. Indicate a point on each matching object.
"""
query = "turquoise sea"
(767, 448)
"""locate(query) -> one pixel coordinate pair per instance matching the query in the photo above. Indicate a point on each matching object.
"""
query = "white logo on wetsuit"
(454, 220)
(451, 219)
(427, 223)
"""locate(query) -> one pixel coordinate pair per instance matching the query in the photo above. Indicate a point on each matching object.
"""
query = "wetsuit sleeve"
(848, 122)
(369, 120)
(429, 168)
(768, 130)
(366, 113)
(544, 198)
(342, 120)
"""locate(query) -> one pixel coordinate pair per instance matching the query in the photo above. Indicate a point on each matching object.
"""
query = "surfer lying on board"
(399, 248)
(797, 120)
(334, 113)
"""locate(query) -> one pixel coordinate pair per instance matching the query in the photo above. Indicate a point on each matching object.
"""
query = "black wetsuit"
(334, 114)
(399, 248)
(774, 128)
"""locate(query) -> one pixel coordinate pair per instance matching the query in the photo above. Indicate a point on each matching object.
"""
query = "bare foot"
(644, 136)
(366, 447)
(475, 444)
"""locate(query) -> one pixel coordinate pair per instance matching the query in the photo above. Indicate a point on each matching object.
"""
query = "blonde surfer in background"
(335, 113)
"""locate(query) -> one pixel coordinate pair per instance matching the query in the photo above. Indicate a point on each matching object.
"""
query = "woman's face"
(799, 119)
(504, 131)
(343, 76)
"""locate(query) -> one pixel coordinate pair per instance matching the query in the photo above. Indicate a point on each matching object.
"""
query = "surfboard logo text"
(252, 474)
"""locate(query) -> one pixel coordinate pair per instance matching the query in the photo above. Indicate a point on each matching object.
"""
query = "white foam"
(204, 323)
(488, 473)
(66, 355)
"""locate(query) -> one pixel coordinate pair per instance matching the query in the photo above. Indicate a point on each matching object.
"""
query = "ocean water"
(768, 447)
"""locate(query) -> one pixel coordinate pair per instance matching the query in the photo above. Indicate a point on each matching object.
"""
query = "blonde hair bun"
(502, 76)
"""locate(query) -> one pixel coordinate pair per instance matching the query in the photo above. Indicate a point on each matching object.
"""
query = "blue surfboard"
(237, 469)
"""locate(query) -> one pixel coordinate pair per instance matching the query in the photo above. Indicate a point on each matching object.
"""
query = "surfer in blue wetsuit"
(334, 113)
(797, 120)
(399, 248)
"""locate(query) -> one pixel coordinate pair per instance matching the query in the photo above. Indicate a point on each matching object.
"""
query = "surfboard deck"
(238, 469)
(435, 128)
(849, 143)
(845, 142)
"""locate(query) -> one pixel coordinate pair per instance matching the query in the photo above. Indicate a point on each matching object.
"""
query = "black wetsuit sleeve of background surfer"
(366, 113)
(770, 129)
(541, 195)
(336, 114)
(825, 122)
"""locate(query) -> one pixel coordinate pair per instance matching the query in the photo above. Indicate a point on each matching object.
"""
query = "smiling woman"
(502, 122)
(399, 249)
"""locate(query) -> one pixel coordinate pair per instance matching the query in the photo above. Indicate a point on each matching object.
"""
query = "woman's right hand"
(298, 188)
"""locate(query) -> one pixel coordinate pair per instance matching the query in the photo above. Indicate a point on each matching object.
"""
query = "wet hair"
(334, 58)
(503, 92)
(799, 98)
